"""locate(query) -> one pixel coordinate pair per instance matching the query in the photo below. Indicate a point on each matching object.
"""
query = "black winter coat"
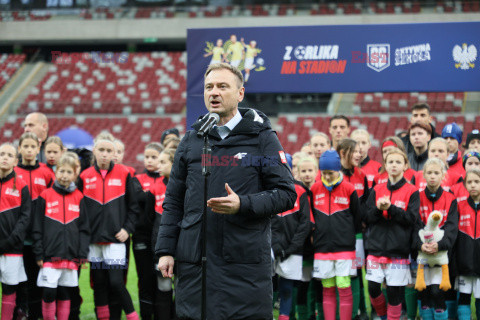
(251, 160)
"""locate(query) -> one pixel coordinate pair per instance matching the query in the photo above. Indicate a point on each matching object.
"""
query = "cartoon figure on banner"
(251, 53)
(237, 53)
(217, 52)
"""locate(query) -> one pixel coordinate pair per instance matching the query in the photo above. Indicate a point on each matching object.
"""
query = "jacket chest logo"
(319, 199)
(146, 185)
(13, 193)
(465, 220)
(359, 186)
(370, 177)
(52, 207)
(401, 204)
(90, 183)
(340, 200)
(40, 181)
(114, 183)
(73, 207)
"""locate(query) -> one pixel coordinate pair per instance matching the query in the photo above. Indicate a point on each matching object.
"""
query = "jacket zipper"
(64, 226)
(475, 231)
(31, 185)
(329, 210)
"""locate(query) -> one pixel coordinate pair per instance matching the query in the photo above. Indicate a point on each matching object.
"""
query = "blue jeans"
(285, 295)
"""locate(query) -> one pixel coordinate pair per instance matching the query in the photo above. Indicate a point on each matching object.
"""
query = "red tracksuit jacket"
(15, 208)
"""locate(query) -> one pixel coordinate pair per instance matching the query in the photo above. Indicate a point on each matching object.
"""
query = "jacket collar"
(434, 196)
(112, 164)
(397, 185)
(152, 174)
(456, 156)
(27, 167)
(62, 190)
(365, 161)
(348, 172)
(8, 177)
(472, 203)
(253, 121)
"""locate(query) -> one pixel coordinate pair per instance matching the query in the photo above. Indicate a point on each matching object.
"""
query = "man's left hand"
(225, 205)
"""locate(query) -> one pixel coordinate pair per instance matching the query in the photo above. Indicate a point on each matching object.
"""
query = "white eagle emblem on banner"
(464, 56)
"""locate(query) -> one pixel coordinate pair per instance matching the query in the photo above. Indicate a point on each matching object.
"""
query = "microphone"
(212, 120)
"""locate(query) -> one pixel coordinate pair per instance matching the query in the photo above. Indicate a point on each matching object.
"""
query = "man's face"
(421, 115)
(339, 129)
(33, 125)
(419, 137)
(222, 94)
(233, 38)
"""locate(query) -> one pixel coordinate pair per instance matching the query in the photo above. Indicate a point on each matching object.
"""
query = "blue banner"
(354, 58)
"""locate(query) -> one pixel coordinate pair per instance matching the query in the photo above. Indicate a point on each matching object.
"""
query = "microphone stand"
(206, 170)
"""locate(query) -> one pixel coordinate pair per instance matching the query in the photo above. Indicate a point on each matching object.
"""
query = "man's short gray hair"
(226, 66)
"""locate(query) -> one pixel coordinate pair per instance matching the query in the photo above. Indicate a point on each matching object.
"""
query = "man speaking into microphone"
(249, 183)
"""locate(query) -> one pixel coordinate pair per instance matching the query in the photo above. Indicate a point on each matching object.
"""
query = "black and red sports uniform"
(336, 217)
(15, 208)
(38, 177)
(60, 227)
(370, 168)
(291, 228)
(446, 203)
(155, 198)
(390, 230)
(467, 247)
(110, 202)
(143, 229)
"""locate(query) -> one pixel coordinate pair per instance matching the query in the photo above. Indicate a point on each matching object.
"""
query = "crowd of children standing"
(410, 235)
(414, 233)
(57, 217)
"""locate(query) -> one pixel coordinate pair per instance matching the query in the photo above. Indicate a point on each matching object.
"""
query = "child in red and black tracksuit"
(471, 160)
(391, 212)
(38, 178)
(112, 210)
(289, 232)
(163, 295)
(61, 239)
(350, 156)
(369, 167)
(309, 292)
(15, 206)
(435, 198)
(468, 246)
(142, 237)
(336, 218)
